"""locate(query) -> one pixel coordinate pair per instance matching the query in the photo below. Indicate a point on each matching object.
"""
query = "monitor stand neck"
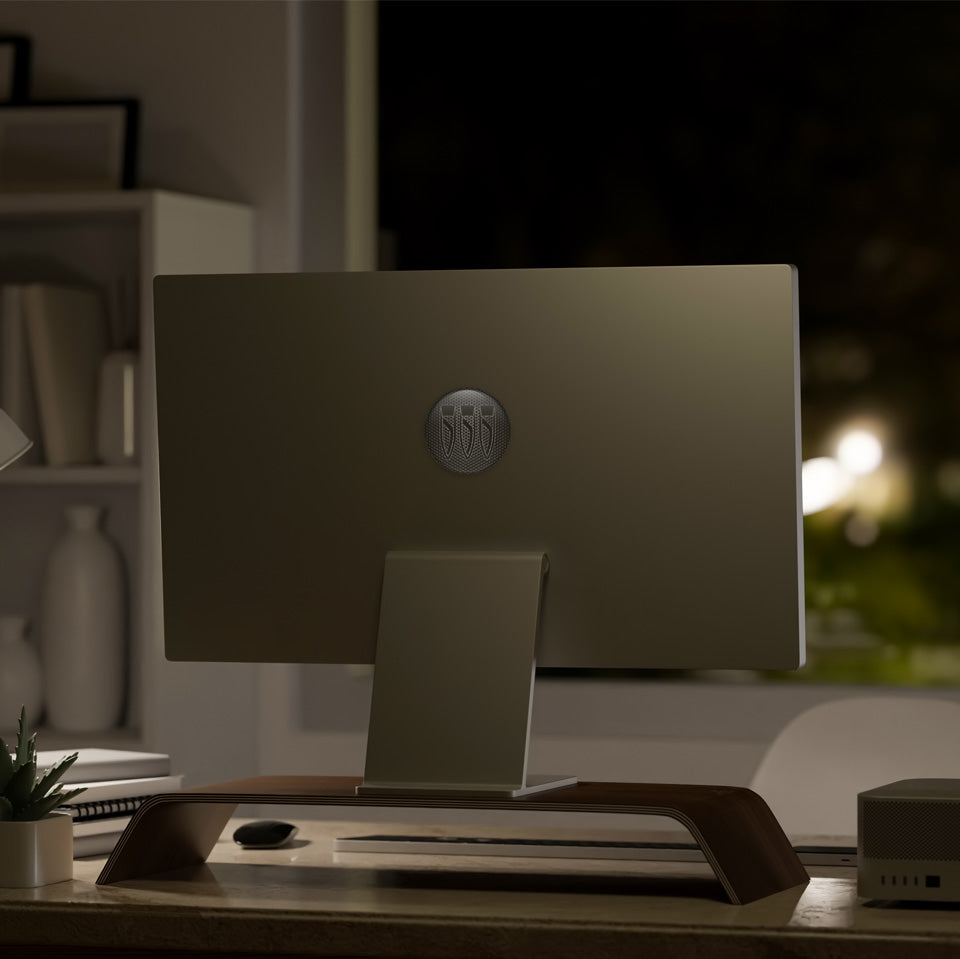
(453, 683)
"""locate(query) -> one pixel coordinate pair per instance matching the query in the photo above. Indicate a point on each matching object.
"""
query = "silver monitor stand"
(453, 682)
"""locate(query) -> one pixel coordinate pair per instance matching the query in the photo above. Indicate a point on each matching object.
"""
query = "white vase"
(117, 439)
(36, 853)
(21, 682)
(83, 627)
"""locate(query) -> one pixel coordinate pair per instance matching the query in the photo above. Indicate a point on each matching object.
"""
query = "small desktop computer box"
(908, 841)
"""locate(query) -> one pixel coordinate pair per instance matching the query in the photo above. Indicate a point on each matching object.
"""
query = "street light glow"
(859, 452)
(825, 482)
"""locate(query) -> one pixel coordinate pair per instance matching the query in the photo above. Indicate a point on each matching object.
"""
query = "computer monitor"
(459, 475)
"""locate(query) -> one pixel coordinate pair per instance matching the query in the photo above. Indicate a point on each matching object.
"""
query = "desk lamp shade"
(13, 443)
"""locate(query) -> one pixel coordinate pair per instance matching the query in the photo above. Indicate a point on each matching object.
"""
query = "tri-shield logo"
(467, 431)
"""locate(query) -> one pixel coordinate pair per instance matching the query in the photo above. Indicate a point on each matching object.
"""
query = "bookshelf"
(120, 240)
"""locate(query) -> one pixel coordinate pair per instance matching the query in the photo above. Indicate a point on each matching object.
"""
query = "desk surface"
(307, 900)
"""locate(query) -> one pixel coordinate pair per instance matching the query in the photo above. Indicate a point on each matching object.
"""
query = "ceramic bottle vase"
(83, 619)
(21, 682)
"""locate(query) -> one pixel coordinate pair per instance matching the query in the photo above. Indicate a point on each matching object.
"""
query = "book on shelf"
(67, 339)
(17, 394)
(95, 765)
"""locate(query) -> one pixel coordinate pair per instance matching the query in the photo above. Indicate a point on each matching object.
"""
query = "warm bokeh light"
(859, 452)
(825, 482)
(861, 530)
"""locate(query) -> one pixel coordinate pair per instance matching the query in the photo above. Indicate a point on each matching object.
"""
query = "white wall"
(247, 100)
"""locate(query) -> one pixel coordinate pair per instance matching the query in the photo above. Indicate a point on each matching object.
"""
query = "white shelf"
(94, 203)
(55, 740)
(71, 476)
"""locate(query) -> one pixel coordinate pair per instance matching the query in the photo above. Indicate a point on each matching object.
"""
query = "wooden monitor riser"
(739, 835)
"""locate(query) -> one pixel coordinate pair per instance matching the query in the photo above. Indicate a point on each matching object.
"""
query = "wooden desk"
(306, 901)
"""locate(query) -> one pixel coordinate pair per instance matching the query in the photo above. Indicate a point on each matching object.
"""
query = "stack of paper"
(116, 783)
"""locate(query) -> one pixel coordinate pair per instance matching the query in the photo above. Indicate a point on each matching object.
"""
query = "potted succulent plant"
(36, 842)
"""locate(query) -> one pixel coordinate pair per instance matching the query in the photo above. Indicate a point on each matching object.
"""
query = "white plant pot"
(36, 853)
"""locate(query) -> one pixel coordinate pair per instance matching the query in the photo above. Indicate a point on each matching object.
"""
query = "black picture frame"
(15, 53)
(68, 145)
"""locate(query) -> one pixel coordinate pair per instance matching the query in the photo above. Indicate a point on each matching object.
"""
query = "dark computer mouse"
(264, 834)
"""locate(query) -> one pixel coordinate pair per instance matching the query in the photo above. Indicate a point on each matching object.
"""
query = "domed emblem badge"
(467, 431)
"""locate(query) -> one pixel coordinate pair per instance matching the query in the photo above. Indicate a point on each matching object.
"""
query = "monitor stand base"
(534, 785)
(739, 835)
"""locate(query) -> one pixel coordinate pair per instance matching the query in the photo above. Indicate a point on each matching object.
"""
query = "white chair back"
(814, 769)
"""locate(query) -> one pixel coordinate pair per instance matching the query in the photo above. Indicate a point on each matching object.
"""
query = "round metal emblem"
(467, 431)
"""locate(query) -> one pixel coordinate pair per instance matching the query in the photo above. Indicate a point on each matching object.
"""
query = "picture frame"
(55, 146)
(15, 54)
